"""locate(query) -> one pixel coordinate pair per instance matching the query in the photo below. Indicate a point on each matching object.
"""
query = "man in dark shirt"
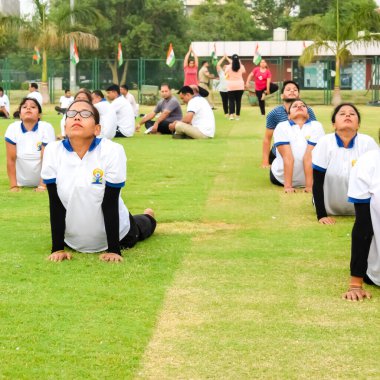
(168, 108)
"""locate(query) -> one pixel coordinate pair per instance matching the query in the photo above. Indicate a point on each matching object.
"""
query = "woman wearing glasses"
(25, 142)
(294, 140)
(84, 175)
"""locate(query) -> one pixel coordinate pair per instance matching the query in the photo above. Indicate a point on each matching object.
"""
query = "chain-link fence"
(360, 81)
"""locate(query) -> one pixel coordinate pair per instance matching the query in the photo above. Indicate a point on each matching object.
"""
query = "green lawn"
(238, 282)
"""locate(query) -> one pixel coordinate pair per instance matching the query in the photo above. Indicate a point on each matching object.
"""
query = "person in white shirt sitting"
(124, 112)
(124, 90)
(199, 120)
(108, 120)
(4, 104)
(64, 102)
(34, 94)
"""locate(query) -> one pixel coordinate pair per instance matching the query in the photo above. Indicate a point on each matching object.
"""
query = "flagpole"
(73, 73)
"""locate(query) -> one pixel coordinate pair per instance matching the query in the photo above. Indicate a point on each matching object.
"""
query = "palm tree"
(53, 29)
(336, 32)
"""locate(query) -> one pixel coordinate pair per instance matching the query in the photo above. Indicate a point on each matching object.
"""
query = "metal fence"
(315, 81)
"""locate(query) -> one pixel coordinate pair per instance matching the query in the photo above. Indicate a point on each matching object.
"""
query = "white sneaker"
(231, 117)
(237, 118)
(148, 131)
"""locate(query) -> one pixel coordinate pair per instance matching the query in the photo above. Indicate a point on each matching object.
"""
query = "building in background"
(10, 7)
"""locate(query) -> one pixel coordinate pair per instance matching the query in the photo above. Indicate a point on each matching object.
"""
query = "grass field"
(238, 282)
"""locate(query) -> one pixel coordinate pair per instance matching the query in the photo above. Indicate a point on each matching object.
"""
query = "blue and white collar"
(24, 130)
(95, 142)
(340, 142)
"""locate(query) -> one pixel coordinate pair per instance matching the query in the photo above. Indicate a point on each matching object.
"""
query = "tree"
(337, 32)
(144, 27)
(51, 28)
(310, 8)
(231, 21)
(272, 14)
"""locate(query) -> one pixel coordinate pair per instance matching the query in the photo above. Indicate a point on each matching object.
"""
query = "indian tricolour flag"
(119, 55)
(257, 56)
(170, 57)
(37, 55)
(214, 57)
(74, 54)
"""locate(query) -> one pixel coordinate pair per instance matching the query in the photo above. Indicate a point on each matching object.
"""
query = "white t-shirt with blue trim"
(81, 185)
(289, 133)
(28, 150)
(364, 187)
(331, 157)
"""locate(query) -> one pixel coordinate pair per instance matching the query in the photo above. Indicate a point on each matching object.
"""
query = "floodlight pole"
(73, 72)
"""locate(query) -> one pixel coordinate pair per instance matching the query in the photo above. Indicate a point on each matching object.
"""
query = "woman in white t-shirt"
(84, 176)
(25, 142)
(333, 158)
(222, 85)
(294, 141)
(364, 193)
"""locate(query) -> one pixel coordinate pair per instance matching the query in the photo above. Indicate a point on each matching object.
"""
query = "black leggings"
(259, 94)
(224, 96)
(234, 98)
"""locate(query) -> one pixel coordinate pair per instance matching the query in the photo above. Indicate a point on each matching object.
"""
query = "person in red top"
(261, 75)
(190, 68)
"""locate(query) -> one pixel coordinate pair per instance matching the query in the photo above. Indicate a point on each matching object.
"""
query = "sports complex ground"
(238, 282)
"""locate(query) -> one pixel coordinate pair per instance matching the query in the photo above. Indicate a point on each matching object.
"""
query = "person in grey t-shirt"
(168, 108)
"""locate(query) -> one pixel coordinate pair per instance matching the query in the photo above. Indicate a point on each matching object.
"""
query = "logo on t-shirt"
(97, 178)
(39, 146)
(353, 162)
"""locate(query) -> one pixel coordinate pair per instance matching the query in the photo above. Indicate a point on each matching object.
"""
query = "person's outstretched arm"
(287, 156)
(57, 225)
(319, 197)
(186, 59)
(110, 208)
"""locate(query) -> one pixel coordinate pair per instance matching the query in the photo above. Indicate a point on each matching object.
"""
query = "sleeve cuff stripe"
(49, 181)
(311, 143)
(282, 143)
(319, 168)
(10, 141)
(121, 184)
(355, 200)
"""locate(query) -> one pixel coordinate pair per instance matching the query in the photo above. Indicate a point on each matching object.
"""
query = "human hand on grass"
(289, 189)
(356, 294)
(114, 257)
(327, 220)
(308, 190)
(59, 256)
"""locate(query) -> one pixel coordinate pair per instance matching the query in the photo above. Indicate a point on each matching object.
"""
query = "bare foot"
(149, 211)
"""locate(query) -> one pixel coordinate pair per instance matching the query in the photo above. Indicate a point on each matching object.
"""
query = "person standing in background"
(190, 68)
(235, 85)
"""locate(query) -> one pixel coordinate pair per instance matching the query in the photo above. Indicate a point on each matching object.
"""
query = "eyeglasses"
(84, 113)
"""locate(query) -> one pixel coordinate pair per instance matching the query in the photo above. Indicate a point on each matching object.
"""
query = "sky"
(27, 7)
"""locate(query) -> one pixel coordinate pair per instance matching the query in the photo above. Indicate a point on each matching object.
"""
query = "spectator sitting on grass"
(168, 108)
(124, 90)
(64, 102)
(199, 121)
(4, 104)
(84, 175)
(124, 112)
(108, 120)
